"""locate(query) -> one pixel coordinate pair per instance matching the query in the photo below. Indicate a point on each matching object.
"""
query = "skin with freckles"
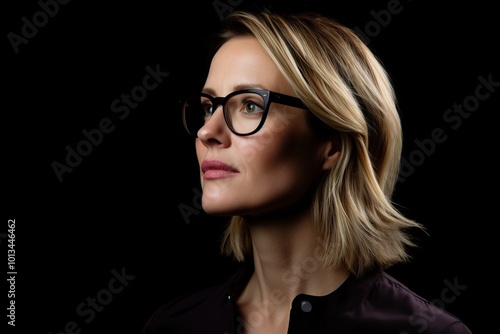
(271, 180)
(275, 167)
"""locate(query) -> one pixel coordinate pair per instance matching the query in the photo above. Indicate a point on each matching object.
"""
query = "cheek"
(277, 139)
(280, 160)
(278, 173)
(259, 149)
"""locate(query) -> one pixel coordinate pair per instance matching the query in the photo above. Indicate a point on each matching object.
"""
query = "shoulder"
(418, 313)
(195, 311)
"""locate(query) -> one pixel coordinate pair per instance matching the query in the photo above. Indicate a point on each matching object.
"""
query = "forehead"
(242, 62)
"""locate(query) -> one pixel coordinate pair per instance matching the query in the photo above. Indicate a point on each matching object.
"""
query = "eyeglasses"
(245, 111)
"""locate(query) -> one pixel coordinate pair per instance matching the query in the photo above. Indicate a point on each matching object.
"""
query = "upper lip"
(215, 165)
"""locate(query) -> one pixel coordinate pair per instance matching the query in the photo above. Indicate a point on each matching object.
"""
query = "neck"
(287, 253)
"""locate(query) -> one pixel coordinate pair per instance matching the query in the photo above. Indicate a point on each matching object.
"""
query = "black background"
(119, 208)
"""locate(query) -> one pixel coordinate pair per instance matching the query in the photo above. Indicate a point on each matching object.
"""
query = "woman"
(298, 139)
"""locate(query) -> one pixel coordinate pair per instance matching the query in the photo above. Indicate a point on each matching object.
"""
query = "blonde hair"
(345, 86)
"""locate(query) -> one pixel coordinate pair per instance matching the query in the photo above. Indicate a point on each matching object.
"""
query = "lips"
(213, 169)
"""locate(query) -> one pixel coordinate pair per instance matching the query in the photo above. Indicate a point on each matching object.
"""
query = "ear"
(331, 153)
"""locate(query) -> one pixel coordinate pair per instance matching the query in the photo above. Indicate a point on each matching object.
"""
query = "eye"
(251, 107)
(208, 108)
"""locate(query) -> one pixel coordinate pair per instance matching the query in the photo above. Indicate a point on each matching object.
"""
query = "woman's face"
(265, 172)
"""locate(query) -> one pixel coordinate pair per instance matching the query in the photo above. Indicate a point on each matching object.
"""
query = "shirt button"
(306, 306)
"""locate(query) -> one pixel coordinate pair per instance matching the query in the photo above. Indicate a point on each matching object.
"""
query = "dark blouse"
(375, 303)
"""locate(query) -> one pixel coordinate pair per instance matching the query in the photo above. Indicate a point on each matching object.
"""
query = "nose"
(215, 129)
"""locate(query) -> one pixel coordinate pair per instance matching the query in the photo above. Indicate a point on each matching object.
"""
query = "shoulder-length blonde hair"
(344, 85)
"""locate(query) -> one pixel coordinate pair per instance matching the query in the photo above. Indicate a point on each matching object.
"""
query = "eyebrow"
(210, 91)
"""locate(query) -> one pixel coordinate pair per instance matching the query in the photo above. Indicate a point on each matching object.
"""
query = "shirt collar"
(351, 291)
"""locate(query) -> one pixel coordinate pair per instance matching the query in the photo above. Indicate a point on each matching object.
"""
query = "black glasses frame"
(267, 95)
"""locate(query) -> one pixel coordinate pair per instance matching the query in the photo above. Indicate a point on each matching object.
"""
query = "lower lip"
(213, 174)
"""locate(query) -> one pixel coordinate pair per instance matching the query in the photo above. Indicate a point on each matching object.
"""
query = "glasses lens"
(244, 112)
(197, 110)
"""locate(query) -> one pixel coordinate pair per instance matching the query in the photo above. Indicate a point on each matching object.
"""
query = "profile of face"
(270, 170)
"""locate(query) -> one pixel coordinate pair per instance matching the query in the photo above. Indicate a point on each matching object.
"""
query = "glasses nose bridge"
(218, 101)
